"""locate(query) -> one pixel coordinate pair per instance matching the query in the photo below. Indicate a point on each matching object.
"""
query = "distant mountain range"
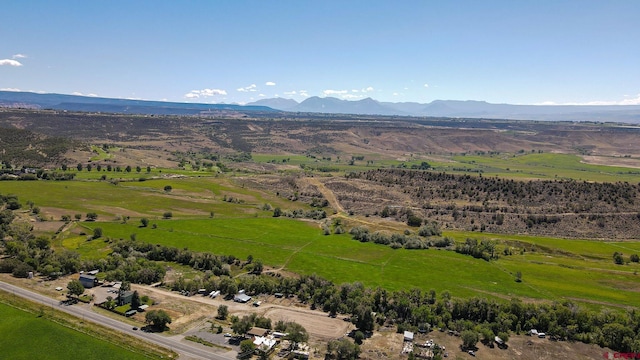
(124, 106)
(460, 109)
(331, 105)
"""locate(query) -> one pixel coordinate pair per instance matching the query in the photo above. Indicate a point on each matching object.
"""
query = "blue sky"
(519, 52)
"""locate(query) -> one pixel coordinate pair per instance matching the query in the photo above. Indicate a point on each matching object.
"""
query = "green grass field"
(580, 270)
(547, 166)
(189, 197)
(28, 336)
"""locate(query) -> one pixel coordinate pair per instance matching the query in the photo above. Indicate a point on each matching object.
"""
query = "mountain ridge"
(330, 105)
(466, 109)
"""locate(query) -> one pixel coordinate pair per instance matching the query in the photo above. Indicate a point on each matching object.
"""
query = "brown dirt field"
(612, 161)
(47, 226)
(320, 325)
(119, 211)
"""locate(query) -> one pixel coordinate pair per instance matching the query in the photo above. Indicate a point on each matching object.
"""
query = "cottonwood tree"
(75, 287)
(135, 300)
(92, 216)
(469, 339)
(297, 333)
(242, 326)
(342, 350)
(223, 312)
(247, 347)
(158, 319)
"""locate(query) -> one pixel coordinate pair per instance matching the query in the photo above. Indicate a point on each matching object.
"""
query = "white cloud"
(270, 83)
(10, 62)
(289, 93)
(395, 94)
(631, 101)
(364, 90)
(303, 93)
(351, 96)
(334, 92)
(196, 94)
(76, 93)
(10, 89)
(426, 85)
(251, 87)
(92, 95)
(262, 95)
(19, 56)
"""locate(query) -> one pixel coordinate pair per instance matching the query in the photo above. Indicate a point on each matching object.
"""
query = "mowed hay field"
(28, 336)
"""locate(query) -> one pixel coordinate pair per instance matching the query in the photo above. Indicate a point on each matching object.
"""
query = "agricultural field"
(586, 268)
(25, 335)
(189, 196)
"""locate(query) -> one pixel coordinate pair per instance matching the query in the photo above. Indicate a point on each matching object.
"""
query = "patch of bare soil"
(119, 211)
(47, 226)
(612, 161)
(318, 324)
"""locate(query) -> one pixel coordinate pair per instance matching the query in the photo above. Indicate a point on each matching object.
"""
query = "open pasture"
(188, 197)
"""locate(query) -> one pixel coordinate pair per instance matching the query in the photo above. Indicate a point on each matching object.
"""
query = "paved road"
(186, 350)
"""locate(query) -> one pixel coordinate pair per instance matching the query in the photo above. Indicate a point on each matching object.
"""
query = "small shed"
(88, 281)
(241, 298)
(408, 336)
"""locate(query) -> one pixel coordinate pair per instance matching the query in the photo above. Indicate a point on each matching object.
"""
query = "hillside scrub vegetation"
(476, 203)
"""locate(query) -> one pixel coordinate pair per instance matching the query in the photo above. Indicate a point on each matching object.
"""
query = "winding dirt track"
(328, 194)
